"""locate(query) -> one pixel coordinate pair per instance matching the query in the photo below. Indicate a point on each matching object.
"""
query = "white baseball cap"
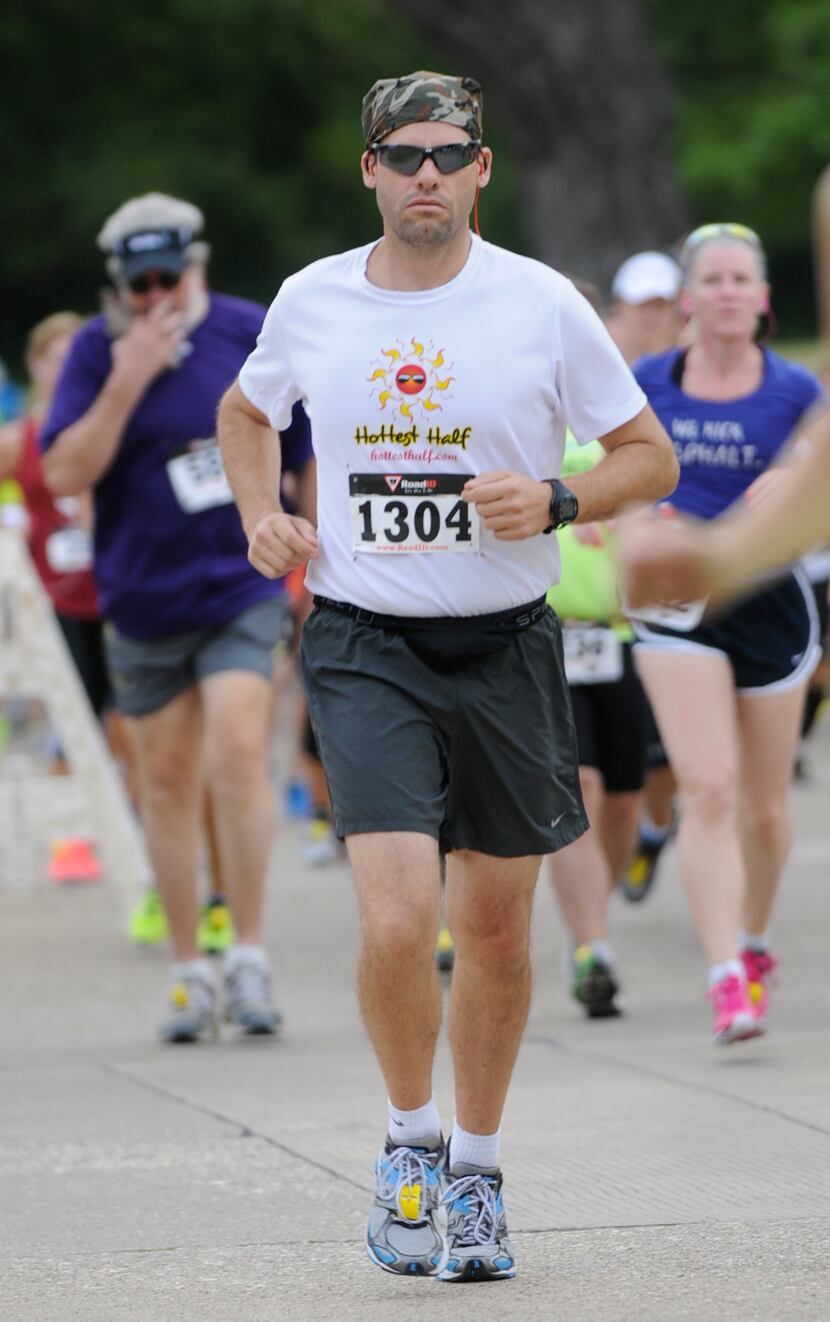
(647, 275)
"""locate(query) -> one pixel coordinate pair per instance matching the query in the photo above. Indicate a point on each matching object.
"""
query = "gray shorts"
(147, 673)
(480, 754)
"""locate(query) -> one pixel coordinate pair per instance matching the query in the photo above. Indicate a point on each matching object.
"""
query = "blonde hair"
(42, 335)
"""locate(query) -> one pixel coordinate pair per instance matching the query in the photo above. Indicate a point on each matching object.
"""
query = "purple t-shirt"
(170, 553)
(722, 446)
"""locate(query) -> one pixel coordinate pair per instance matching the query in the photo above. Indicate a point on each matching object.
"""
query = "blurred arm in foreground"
(673, 561)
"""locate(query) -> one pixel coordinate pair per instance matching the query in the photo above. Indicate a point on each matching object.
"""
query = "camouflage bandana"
(393, 102)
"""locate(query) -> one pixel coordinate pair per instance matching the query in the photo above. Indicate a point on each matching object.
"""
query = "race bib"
(593, 654)
(69, 551)
(682, 616)
(199, 480)
(410, 512)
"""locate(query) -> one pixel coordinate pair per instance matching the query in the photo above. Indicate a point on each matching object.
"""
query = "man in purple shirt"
(191, 627)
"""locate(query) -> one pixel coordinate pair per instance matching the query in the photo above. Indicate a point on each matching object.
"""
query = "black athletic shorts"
(458, 729)
(770, 638)
(611, 728)
(85, 640)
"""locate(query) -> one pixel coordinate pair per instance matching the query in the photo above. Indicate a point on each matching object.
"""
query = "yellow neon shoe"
(216, 931)
(147, 924)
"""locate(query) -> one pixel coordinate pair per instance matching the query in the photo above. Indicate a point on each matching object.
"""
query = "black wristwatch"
(564, 505)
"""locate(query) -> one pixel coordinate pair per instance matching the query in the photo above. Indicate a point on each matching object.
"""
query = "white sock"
(473, 1149)
(193, 968)
(407, 1127)
(604, 951)
(241, 954)
(749, 941)
(653, 834)
(729, 966)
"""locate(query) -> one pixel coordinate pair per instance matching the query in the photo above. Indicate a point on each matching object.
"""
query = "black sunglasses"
(142, 284)
(403, 159)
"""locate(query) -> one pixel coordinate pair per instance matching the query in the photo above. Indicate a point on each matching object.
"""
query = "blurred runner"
(645, 312)
(646, 318)
(609, 709)
(728, 692)
(58, 532)
(191, 627)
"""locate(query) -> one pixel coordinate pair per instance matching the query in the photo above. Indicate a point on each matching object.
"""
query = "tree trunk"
(581, 98)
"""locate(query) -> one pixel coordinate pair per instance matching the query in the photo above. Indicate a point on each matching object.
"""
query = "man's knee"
(234, 756)
(499, 936)
(400, 932)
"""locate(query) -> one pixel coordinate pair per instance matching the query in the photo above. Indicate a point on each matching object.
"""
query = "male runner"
(439, 373)
(190, 628)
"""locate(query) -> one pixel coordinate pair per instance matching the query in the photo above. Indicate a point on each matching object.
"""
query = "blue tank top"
(722, 446)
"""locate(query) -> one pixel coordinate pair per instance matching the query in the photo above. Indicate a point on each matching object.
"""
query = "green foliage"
(249, 108)
(752, 78)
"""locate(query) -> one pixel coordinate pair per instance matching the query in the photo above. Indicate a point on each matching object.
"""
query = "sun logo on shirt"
(412, 378)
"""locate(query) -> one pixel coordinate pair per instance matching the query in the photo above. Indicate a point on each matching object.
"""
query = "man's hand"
(280, 542)
(664, 562)
(150, 346)
(511, 505)
(771, 481)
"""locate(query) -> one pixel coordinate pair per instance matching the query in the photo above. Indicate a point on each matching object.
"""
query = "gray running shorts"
(479, 755)
(147, 673)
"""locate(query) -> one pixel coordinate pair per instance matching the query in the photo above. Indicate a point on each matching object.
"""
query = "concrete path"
(649, 1175)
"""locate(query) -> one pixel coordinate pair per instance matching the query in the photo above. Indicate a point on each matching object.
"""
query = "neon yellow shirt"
(587, 589)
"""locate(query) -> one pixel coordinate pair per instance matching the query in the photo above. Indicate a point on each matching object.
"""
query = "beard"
(425, 232)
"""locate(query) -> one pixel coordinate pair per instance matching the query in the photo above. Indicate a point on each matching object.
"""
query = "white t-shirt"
(411, 393)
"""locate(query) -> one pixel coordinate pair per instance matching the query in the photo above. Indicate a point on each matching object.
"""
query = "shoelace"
(404, 1169)
(481, 1222)
(728, 994)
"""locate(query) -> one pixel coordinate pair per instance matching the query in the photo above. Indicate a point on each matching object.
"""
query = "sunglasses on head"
(722, 230)
(403, 159)
(142, 284)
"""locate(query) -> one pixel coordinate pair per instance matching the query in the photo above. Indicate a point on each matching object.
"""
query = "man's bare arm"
(793, 519)
(251, 454)
(640, 466)
(11, 448)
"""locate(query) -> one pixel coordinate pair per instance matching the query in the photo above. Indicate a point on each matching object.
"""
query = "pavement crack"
(648, 1071)
(243, 1130)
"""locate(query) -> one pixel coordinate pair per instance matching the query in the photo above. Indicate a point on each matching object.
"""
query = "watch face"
(568, 509)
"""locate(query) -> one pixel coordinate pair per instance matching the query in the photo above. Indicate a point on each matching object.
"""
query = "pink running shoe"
(735, 1015)
(759, 965)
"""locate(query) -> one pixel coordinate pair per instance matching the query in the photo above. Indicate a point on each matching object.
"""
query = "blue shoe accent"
(297, 799)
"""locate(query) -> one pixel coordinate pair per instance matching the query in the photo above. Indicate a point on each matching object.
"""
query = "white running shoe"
(192, 1003)
(248, 996)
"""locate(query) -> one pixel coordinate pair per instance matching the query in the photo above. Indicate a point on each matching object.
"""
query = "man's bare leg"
(488, 904)
(237, 707)
(170, 795)
(398, 887)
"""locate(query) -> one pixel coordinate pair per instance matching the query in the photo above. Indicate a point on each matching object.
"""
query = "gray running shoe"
(248, 998)
(192, 1005)
(407, 1226)
(479, 1249)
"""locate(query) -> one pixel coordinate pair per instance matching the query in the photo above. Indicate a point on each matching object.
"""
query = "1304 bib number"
(396, 512)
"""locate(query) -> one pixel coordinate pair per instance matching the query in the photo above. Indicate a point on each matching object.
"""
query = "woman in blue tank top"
(728, 690)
